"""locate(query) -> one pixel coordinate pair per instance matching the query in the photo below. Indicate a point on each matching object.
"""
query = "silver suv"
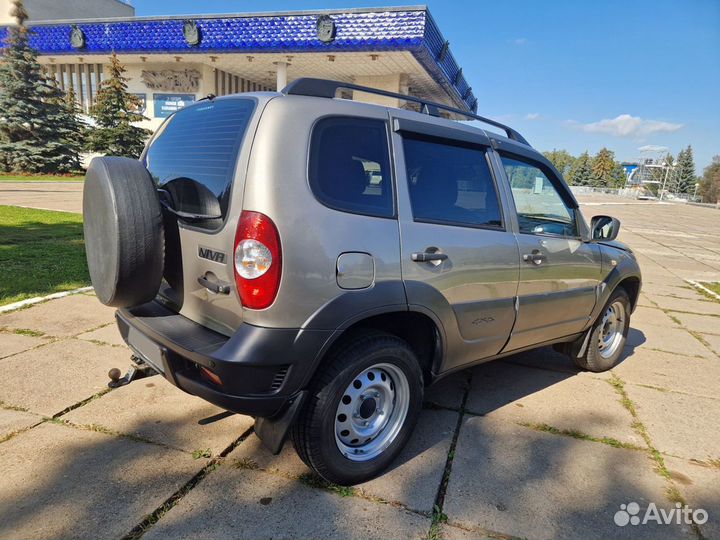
(317, 262)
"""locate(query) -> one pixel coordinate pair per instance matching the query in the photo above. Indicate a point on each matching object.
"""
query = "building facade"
(172, 61)
(48, 10)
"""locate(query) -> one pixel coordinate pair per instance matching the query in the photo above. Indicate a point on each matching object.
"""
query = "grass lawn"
(41, 252)
(40, 178)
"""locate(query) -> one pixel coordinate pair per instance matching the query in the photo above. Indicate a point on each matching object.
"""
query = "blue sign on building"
(166, 104)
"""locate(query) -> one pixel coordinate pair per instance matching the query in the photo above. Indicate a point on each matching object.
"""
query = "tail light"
(258, 260)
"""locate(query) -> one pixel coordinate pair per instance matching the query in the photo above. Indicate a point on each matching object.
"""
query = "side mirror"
(604, 228)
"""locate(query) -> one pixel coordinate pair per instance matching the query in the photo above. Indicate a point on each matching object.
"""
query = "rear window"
(192, 159)
(350, 166)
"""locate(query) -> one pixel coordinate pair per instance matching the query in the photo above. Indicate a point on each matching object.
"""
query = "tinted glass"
(450, 184)
(540, 208)
(350, 167)
(193, 157)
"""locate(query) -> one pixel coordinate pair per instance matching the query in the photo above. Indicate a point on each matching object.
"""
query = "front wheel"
(361, 410)
(608, 336)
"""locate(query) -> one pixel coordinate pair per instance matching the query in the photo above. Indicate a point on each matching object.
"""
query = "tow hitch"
(137, 370)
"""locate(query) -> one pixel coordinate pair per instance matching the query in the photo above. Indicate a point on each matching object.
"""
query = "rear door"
(459, 261)
(559, 272)
(198, 159)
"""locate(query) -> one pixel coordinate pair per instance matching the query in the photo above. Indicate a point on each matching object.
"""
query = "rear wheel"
(608, 336)
(361, 410)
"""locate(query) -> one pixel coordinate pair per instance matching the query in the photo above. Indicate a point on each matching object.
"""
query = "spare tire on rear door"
(123, 227)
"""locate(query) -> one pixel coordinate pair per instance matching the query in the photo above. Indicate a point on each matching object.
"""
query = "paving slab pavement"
(154, 409)
(705, 324)
(713, 340)
(107, 334)
(64, 317)
(654, 316)
(671, 372)
(679, 424)
(523, 483)
(550, 398)
(662, 338)
(12, 343)
(48, 379)
(412, 480)
(703, 307)
(240, 503)
(13, 421)
(700, 484)
(62, 482)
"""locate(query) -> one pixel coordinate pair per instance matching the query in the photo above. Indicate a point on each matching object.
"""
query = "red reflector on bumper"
(210, 376)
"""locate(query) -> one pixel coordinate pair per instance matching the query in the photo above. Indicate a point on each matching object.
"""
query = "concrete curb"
(705, 289)
(39, 299)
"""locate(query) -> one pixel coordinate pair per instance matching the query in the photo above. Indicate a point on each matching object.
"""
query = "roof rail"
(308, 86)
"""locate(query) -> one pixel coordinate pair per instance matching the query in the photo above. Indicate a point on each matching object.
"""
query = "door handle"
(428, 256)
(217, 288)
(536, 257)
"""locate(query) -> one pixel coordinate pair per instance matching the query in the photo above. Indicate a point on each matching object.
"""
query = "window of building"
(451, 184)
(350, 166)
(83, 79)
(540, 207)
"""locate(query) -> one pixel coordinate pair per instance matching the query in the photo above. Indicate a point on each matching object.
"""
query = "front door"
(458, 258)
(559, 272)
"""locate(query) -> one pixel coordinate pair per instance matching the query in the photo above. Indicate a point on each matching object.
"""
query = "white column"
(281, 75)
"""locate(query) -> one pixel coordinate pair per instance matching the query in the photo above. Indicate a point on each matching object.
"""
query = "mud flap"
(273, 431)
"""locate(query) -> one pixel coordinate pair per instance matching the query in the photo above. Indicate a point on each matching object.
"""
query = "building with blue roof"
(174, 60)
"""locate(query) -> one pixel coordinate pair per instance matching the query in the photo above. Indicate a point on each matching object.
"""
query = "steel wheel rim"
(611, 330)
(371, 412)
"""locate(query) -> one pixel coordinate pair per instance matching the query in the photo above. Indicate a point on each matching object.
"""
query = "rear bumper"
(261, 369)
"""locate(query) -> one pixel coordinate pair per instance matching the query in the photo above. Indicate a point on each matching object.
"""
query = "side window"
(540, 208)
(350, 166)
(450, 184)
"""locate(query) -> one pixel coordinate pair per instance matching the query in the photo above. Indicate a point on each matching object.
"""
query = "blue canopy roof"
(369, 30)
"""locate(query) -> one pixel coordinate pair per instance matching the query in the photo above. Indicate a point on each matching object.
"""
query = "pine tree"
(115, 113)
(33, 136)
(581, 171)
(685, 171)
(562, 159)
(602, 168)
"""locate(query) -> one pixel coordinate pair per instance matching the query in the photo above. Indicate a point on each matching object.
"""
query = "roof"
(409, 29)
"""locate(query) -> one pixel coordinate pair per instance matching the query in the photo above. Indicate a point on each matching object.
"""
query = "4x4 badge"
(210, 255)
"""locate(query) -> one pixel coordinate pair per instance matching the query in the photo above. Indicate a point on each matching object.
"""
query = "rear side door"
(559, 272)
(459, 260)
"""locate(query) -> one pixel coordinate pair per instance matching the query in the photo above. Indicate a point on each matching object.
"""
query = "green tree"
(562, 159)
(603, 165)
(581, 171)
(115, 112)
(709, 188)
(685, 171)
(618, 177)
(34, 132)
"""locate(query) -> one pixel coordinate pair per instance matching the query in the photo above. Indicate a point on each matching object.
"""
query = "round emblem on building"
(77, 38)
(326, 28)
(191, 31)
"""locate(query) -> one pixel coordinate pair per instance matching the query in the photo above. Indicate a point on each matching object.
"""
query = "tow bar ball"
(137, 370)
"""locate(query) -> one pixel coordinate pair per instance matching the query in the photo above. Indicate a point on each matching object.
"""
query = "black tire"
(593, 359)
(124, 239)
(314, 433)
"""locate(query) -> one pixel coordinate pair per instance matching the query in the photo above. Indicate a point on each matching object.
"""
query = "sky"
(631, 75)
